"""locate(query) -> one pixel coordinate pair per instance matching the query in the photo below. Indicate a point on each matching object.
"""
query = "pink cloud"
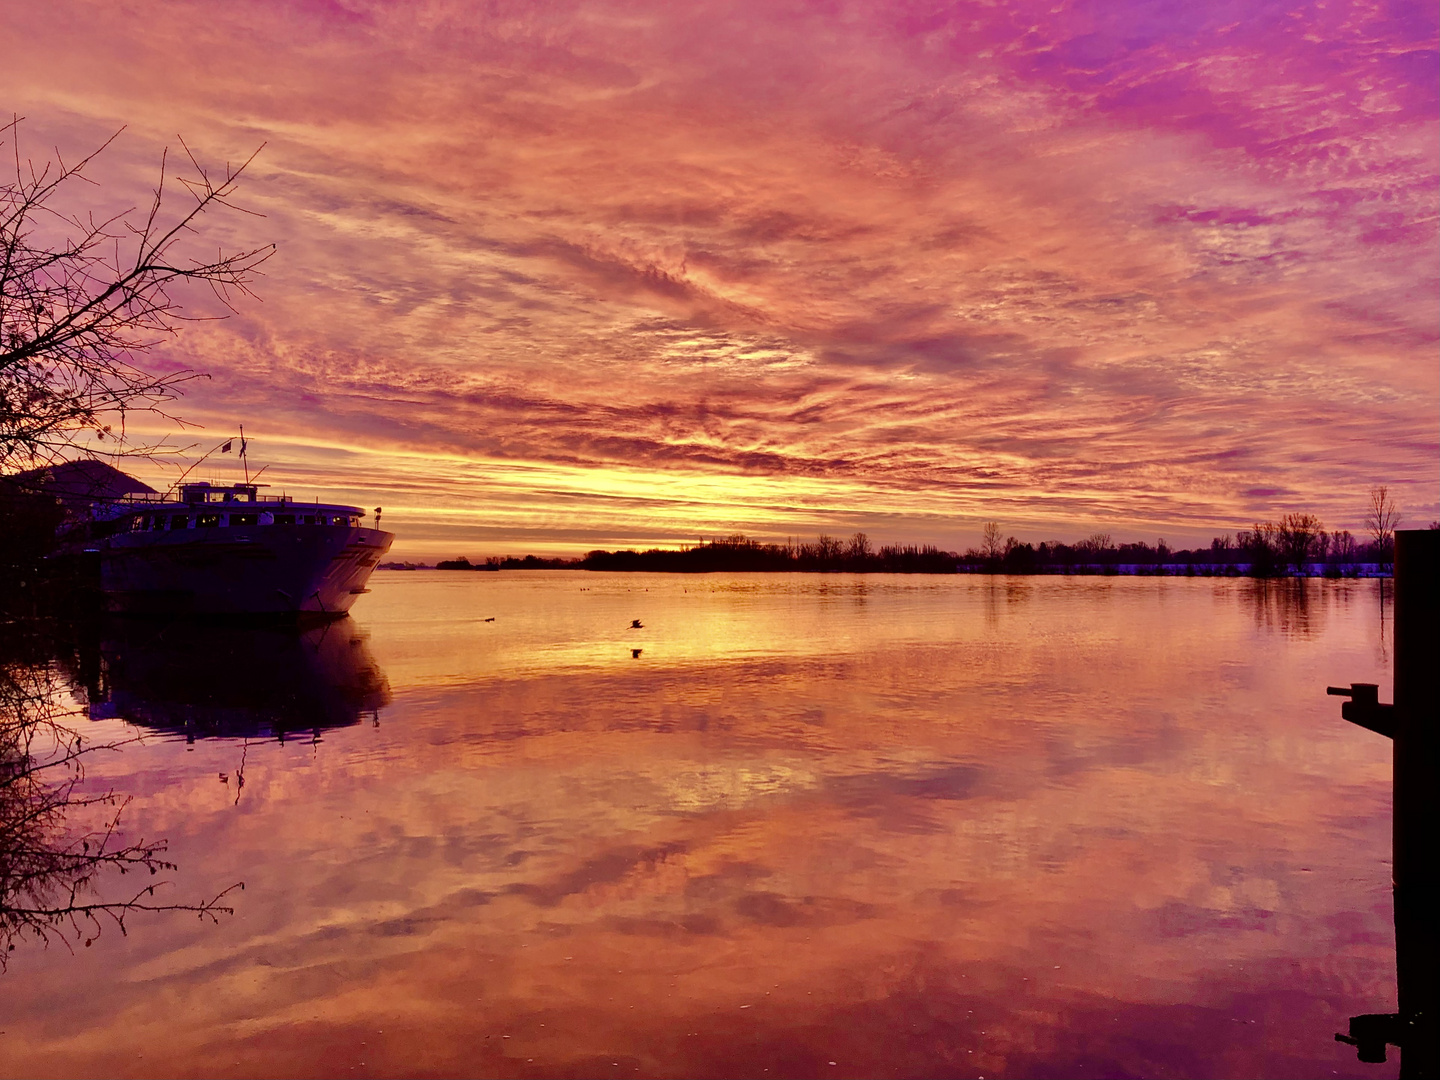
(1114, 264)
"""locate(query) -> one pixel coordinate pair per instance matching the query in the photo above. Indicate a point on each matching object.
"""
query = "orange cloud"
(793, 270)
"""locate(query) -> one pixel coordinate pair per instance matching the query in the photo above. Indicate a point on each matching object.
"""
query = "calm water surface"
(819, 826)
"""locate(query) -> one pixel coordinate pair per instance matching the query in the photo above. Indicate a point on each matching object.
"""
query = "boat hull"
(312, 571)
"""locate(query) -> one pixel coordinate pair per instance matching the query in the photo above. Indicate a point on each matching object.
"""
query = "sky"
(558, 276)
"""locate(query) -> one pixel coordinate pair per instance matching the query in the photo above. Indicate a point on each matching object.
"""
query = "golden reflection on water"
(911, 826)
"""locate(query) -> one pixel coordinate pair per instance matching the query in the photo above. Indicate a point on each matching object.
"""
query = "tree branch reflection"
(61, 844)
(58, 841)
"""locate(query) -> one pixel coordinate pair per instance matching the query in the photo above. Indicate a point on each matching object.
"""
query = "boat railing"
(149, 498)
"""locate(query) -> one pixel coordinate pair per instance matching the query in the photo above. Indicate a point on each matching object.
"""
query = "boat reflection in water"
(206, 679)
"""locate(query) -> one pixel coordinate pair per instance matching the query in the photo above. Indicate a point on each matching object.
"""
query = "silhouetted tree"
(1342, 546)
(29, 519)
(81, 296)
(828, 549)
(992, 541)
(1382, 519)
(1260, 548)
(1295, 539)
(1019, 558)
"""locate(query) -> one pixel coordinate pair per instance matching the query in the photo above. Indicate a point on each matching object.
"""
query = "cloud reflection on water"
(1111, 827)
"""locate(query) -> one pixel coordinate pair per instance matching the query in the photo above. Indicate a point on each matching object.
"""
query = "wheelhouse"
(208, 506)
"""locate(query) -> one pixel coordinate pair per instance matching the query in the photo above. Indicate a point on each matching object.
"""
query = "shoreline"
(1332, 572)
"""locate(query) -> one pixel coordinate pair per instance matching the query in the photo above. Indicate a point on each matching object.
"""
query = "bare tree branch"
(1382, 519)
(75, 312)
(51, 862)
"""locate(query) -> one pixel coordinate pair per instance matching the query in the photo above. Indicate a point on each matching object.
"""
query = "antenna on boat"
(223, 448)
(245, 461)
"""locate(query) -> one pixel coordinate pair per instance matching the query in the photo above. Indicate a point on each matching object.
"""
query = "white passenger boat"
(220, 550)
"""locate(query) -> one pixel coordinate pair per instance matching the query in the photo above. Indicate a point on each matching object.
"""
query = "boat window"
(244, 519)
(309, 519)
(284, 519)
(207, 521)
(179, 521)
(216, 496)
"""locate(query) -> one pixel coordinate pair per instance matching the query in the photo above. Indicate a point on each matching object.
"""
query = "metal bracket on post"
(1370, 1032)
(1365, 708)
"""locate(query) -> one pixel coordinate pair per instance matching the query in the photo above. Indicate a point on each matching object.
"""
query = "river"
(788, 825)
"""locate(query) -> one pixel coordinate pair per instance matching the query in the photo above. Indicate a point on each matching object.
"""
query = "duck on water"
(229, 550)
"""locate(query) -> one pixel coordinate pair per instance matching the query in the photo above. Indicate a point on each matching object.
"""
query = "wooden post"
(1417, 796)
(1413, 723)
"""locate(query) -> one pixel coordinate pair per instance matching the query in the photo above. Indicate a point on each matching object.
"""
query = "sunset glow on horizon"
(559, 276)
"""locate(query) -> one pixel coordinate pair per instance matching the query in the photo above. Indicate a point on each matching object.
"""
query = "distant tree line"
(1297, 545)
(826, 554)
(1290, 547)
(740, 554)
(505, 562)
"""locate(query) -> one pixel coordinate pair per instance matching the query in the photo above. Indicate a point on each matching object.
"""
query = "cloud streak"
(788, 264)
